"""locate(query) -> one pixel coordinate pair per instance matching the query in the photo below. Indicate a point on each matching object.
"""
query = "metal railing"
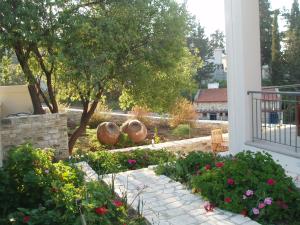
(276, 117)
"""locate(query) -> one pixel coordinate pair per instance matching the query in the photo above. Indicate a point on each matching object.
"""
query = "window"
(204, 114)
(213, 116)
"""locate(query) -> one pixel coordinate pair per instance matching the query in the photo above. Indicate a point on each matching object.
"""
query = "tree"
(265, 15)
(199, 46)
(292, 52)
(31, 29)
(276, 60)
(217, 40)
(10, 71)
(124, 45)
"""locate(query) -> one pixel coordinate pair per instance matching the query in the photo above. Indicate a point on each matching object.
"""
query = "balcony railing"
(276, 118)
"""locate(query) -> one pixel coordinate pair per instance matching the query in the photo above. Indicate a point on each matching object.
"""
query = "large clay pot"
(136, 130)
(108, 133)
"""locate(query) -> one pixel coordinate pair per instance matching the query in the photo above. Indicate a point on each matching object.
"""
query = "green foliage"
(182, 130)
(265, 16)
(217, 40)
(199, 46)
(276, 59)
(156, 136)
(10, 71)
(185, 167)
(104, 162)
(36, 191)
(224, 182)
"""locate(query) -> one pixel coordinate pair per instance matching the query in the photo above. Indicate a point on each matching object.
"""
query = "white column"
(244, 73)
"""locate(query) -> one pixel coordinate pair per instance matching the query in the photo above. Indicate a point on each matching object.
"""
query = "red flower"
(219, 164)
(271, 182)
(26, 219)
(230, 181)
(117, 203)
(228, 200)
(208, 167)
(101, 210)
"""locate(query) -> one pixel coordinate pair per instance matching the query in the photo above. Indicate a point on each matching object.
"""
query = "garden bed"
(89, 142)
(251, 184)
(37, 191)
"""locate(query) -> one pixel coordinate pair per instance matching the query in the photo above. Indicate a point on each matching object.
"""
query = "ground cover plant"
(37, 191)
(252, 184)
(105, 162)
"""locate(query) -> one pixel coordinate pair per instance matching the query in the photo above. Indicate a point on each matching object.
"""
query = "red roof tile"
(212, 95)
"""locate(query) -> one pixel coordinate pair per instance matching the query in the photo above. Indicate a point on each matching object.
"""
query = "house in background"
(211, 104)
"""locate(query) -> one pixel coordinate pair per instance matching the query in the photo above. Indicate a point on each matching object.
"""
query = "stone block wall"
(43, 131)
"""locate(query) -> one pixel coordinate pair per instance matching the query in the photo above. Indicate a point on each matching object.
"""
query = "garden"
(251, 184)
(64, 197)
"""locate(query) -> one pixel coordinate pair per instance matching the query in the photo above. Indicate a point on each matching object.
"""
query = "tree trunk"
(85, 118)
(36, 103)
(23, 60)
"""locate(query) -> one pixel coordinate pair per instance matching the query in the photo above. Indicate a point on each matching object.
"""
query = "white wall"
(244, 73)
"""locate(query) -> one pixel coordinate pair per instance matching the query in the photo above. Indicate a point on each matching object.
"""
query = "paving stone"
(239, 219)
(167, 202)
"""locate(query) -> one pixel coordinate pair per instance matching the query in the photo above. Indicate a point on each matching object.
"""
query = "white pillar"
(244, 73)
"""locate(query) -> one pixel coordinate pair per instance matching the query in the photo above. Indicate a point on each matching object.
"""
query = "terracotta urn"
(136, 130)
(108, 133)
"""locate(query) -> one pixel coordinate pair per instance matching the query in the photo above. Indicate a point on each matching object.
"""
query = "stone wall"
(44, 131)
(202, 144)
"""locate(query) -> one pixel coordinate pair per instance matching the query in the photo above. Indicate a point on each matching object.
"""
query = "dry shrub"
(141, 113)
(183, 112)
(100, 115)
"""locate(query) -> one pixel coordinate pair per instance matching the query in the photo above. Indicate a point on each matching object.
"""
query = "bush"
(104, 162)
(183, 112)
(36, 191)
(249, 183)
(182, 130)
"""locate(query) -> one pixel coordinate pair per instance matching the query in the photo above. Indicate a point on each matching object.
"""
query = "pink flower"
(261, 205)
(209, 207)
(208, 167)
(271, 182)
(249, 193)
(268, 201)
(117, 203)
(131, 161)
(255, 211)
(230, 181)
(219, 164)
(228, 200)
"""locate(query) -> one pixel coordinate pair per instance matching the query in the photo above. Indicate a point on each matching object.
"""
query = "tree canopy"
(83, 50)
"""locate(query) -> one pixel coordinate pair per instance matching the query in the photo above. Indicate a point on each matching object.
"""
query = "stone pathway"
(166, 202)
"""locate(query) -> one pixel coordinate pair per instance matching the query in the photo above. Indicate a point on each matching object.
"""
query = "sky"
(210, 13)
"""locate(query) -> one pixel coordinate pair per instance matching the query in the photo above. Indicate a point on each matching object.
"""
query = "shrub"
(104, 162)
(141, 113)
(182, 112)
(249, 183)
(182, 130)
(184, 168)
(36, 191)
